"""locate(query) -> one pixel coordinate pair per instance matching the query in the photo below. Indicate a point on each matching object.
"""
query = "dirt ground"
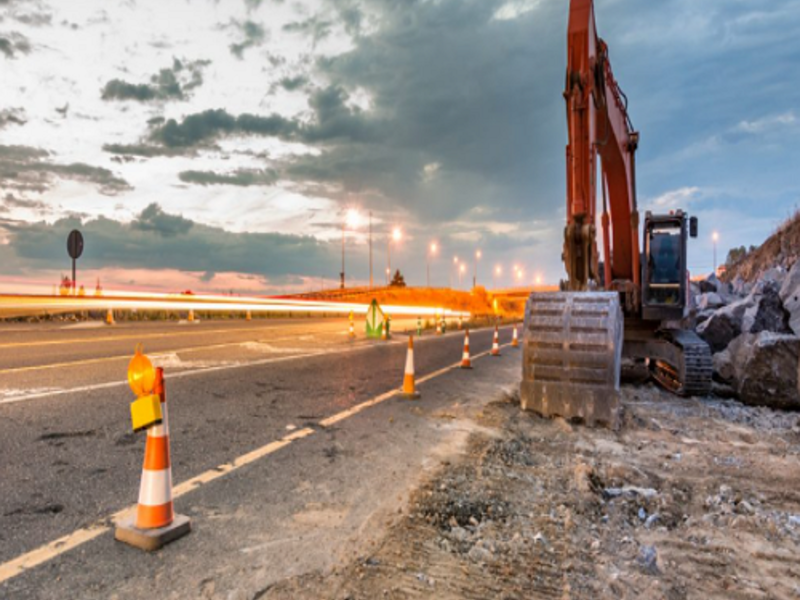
(690, 499)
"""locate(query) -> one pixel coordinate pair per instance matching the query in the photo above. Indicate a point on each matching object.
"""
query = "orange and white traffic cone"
(515, 339)
(383, 332)
(155, 523)
(190, 318)
(466, 363)
(409, 390)
(110, 317)
(438, 326)
(352, 332)
(496, 343)
(248, 316)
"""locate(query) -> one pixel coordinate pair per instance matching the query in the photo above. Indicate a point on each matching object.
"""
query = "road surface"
(287, 440)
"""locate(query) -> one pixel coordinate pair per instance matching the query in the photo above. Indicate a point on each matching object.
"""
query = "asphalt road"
(69, 460)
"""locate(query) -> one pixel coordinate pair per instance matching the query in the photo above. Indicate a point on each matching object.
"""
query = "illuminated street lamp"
(478, 255)
(396, 236)
(351, 220)
(431, 252)
(715, 239)
(461, 268)
(455, 266)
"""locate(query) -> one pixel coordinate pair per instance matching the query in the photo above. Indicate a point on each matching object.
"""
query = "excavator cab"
(664, 281)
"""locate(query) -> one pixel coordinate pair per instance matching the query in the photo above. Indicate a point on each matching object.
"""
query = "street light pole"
(715, 238)
(344, 223)
(475, 275)
(371, 283)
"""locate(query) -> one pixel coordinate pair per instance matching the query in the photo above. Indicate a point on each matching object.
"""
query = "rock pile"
(754, 333)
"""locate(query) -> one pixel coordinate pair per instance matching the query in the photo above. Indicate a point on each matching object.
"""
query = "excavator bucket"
(572, 350)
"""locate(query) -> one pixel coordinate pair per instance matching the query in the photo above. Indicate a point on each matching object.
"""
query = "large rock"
(758, 312)
(790, 295)
(767, 313)
(709, 284)
(710, 300)
(764, 369)
(724, 325)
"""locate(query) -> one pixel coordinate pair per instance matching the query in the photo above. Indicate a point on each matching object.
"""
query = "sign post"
(75, 249)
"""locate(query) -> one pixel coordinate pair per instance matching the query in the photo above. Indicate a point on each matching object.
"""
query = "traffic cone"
(515, 339)
(155, 523)
(352, 329)
(496, 343)
(248, 316)
(409, 390)
(190, 318)
(438, 327)
(460, 321)
(110, 317)
(383, 332)
(466, 363)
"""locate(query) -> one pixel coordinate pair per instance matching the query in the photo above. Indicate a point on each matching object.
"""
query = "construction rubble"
(753, 330)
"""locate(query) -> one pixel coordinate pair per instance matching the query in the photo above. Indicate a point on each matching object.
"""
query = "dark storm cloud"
(240, 177)
(154, 219)
(11, 201)
(315, 27)
(211, 124)
(23, 168)
(143, 150)
(291, 84)
(253, 33)
(12, 116)
(173, 83)
(14, 44)
(334, 120)
(157, 240)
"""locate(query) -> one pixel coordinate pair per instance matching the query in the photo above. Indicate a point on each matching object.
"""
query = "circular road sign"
(75, 244)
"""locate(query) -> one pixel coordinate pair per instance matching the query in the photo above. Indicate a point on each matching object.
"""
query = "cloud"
(13, 44)
(143, 150)
(158, 240)
(211, 124)
(680, 198)
(153, 218)
(174, 83)
(12, 116)
(240, 177)
(314, 27)
(291, 84)
(24, 168)
(254, 35)
(769, 123)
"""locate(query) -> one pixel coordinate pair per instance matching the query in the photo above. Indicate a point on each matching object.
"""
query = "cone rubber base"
(498, 355)
(467, 367)
(414, 396)
(151, 539)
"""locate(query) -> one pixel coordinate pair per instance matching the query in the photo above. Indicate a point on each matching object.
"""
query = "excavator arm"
(599, 125)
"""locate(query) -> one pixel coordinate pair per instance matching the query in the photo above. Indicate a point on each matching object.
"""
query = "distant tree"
(735, 255)
(397, 280)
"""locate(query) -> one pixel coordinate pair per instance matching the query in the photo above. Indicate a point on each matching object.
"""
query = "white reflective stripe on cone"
(156, 488)
(410, 363)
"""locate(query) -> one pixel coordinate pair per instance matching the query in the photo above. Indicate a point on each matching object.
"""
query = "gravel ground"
(690, 499)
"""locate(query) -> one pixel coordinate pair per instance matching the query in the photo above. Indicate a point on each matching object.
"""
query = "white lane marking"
(72, 540)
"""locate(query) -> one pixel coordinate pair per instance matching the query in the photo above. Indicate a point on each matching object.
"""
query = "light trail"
(22, 305)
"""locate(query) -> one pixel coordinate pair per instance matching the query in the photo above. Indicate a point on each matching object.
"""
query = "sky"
(217, 145)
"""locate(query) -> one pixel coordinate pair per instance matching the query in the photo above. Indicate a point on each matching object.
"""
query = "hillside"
(781, 249)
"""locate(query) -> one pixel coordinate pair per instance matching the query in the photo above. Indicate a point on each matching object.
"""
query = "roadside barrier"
(496, 343)
(155, 522)
(466, 363)
(409, 389)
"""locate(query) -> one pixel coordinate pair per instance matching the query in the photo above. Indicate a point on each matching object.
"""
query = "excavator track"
(572, 343)
(692, 375)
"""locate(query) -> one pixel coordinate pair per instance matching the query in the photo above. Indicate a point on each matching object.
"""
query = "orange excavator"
(635, 302)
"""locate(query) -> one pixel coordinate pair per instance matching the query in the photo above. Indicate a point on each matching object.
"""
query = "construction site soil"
(691, 498)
